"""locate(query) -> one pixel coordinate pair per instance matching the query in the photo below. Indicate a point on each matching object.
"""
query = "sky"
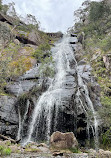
(54, 15)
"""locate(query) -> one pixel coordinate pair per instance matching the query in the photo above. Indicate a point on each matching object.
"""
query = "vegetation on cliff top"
(16, 57)
(94, 22)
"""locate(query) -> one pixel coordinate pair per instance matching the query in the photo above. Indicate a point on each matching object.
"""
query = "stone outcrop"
(5, 34)
(104, 154)
(8, 116)
(10, 20)
(55, 35)
(63, 140)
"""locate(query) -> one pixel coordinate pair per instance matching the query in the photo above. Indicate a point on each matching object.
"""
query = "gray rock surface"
(8, 116)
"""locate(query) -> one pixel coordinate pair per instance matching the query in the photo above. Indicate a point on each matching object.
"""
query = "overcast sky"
(54, 15)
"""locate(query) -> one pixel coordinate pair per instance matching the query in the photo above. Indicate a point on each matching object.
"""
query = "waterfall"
(66, 83)
(89, 108)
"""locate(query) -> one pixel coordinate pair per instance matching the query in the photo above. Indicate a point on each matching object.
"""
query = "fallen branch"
(7, 138)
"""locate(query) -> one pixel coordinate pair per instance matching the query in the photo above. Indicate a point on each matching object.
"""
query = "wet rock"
(20, 87)
(8, 109)
(55, 35)
(73, 35)
(82, 62)
(81, 37)
(31, 74)
(8, 116)
(63, 140)
(57, 154)
(42, 145)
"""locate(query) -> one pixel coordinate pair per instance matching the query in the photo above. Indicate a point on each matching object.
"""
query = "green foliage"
(4, 151)
(12, 64)
(5, 9)
(42, 51)
(106, 44)
(98, 10)
(0, 5)
(32, 22)
(105, 111)
(106, 101)
(43, 56)
(75, 150)
(106, 138)
(47, 71)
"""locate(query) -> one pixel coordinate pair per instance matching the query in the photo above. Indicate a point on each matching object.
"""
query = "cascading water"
(51, 104)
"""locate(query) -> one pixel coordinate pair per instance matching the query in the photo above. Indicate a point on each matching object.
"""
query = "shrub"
(106, 44)
(0, 5)
(47, 71)
(74, 150)
(42, 52)
(5, 151)
(20, 66)
(105, 111)
(98, 10)
(106, 138)
(43, 56)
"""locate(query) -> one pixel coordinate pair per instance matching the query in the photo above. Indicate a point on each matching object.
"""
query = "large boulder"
(5, 34)
(8, 116)
(104, 154)
(63, 140)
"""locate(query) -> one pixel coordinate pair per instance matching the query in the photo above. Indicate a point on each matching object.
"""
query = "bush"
(42, 52)
(74, 150)
(105, 111)
(43, 56)
(106, 138)
(0, 5)
(47, 71)
(5, 151)
(106, 44)
(20, 66)
(98, 10)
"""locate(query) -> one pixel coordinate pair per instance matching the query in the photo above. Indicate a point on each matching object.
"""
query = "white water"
(90, 108)
(63, 56)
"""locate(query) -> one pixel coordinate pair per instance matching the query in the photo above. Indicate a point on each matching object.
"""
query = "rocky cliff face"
(8, 116)
(16, 111)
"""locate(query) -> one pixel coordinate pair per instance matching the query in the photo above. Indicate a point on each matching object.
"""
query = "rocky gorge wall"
(29, 87)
